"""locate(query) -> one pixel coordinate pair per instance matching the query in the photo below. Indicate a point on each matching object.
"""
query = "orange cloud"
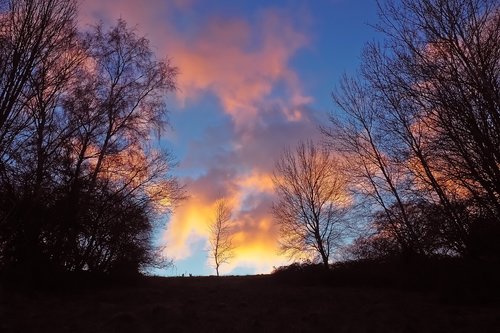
(240, 64)
(260, 182)
(246, 66)
(226, 60)
(259, 252)
(255, 235)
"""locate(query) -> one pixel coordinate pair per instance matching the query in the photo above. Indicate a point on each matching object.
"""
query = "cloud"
(240, 170)
(242, 65)
(239, 61)
(246, 65)
(255, 235)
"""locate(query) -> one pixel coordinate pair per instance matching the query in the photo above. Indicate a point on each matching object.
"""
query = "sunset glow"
(245, 93)
(248, 166)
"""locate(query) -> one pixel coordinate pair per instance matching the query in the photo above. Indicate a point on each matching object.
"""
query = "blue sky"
(255, 76)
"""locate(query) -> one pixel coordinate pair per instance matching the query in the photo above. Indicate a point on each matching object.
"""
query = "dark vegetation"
(416, 140)
(445, 296)
(452, 280)
(81, 184)
(415, 136)
(418, 130)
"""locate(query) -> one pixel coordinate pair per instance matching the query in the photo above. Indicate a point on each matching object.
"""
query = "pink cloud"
(243, 64)
(240, 63)
(225, 60)
(242, 174)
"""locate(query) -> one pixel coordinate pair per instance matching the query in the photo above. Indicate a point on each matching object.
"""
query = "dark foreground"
(245, 304)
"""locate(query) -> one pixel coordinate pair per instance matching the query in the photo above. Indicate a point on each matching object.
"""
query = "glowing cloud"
(245, 65)
(239, 62)
(191, 219)
(242, 174)
(225, 59)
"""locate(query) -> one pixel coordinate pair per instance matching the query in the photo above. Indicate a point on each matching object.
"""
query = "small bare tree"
(311, 202)
(221, 240)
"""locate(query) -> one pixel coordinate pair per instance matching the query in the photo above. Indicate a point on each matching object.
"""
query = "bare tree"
(114, 110)
(311, 202)
(372, 161)
(221, 235)
(438, 82)
(32, 33)
(82, 182)
(430, 97)
(37, 38)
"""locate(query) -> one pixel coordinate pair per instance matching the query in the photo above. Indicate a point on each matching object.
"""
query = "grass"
(300, 300)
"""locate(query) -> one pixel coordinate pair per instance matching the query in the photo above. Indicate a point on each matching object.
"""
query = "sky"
(254, 77)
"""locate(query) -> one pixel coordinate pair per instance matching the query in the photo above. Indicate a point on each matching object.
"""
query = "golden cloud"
(255, 236)
(242, 64)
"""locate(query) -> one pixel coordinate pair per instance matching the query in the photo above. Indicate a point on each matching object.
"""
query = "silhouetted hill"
(353, 297)
(453, 280)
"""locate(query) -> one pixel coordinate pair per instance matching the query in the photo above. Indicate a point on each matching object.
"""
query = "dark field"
(247, 304)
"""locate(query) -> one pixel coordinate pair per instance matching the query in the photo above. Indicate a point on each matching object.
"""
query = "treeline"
(419, 131)
(413, 147)
(80, 180)
(414, 144)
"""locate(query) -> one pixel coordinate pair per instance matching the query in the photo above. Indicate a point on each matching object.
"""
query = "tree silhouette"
(424, 115)
(82, 183)
(370, 162)
(115, 106)
(37, 38)
(311, 202)
(221, 235)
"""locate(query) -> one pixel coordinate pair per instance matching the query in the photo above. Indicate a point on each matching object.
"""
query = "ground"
(241, 304)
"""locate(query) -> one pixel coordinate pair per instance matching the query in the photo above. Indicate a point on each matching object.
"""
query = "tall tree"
(221, 235)
(311, 202)
(439, 83)
(82, 182)
(116, 107)
(36, 62)
(434, 86)
(373, 171)
(33, 33)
